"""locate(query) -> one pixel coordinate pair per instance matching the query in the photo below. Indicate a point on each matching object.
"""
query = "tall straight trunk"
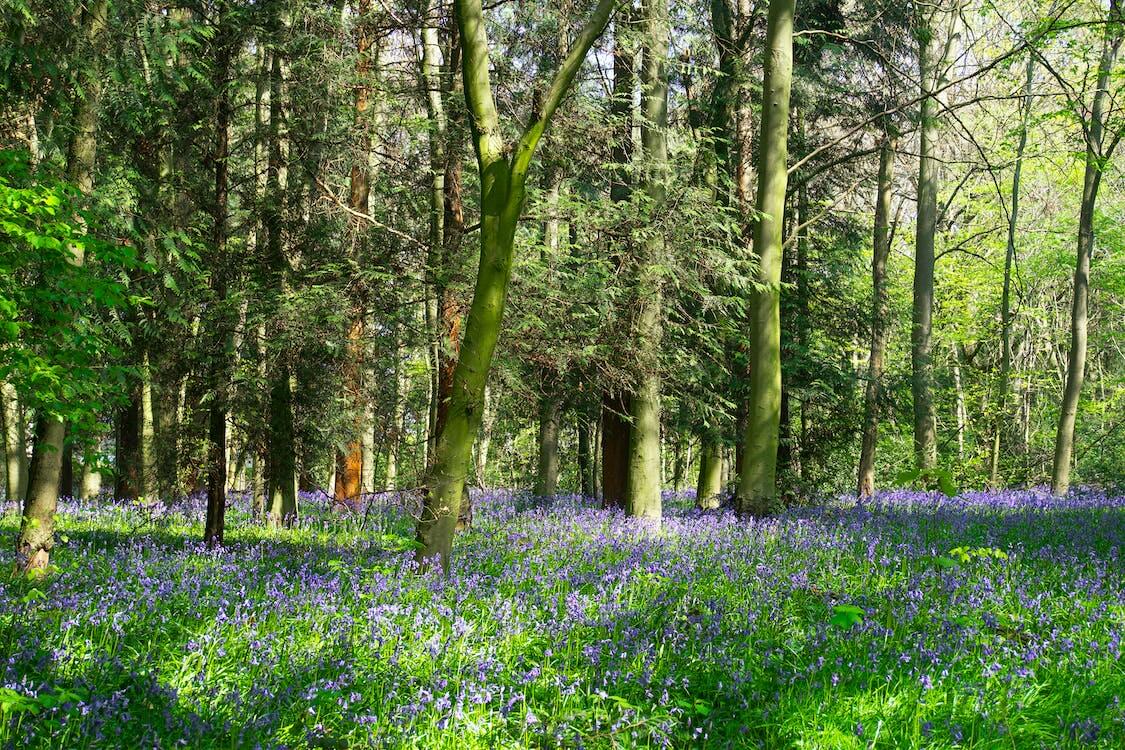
(960, 409)
(349, 460)
(677, 463)
(37, 526)
(15, 441)
(66, 471)
(398, 414)
(503, 174)
(90, 481)
(547, 476)
(757, 485)
(281, 467)
(615, 449)
(148, 431)
(485, 440)
(932, 62)
(217, 373)
(804, 324)
(642, 498)
(585, 456)
(710, 484)
(615, 404)
(881, 251)
(1097, 155)
(1004, 384)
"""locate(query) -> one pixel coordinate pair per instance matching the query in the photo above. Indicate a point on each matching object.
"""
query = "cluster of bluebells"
(566, 625)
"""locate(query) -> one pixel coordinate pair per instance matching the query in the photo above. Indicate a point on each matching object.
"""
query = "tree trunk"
(485, 440)
(282, 464)
(349, 461)
(503, 174)
(615, 450)
(15, 440)
(217, 369)
(585, 457)
(547, 477)
(398, 413)
(709, 488)
(932, 63)
(37, 526)
(615, 405)
(643, 485)
(1004, 385)
(1096, 157)
(881, 251)
(757, 485)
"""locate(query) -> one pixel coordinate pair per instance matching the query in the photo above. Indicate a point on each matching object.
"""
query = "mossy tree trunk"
(37, 526)
(503, 174)
(642, 496)
(757, 485)
(1097, 156)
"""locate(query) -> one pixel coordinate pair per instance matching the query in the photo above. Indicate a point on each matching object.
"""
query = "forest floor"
(988, 620)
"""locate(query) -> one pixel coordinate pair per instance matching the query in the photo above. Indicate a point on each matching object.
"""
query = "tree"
(881, 250)
(1098, 154)
(642, 494)
(757, 485)
(503, 174)
(36, 537)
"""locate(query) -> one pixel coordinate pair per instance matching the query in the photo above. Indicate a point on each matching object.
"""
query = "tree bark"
(218, 375)
(881, 250)
(710, 485)
(503, 174)
(1004, 384)
(932, 62)
(585, 457)
(615, 404)
(282, 464)
(349, 461)
(15, 440)
(643, 485)
(37, 526)
(757, 485)
(1096, 157)
(547, 476)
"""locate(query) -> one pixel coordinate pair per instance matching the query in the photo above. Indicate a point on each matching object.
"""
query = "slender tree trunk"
(1003, 387)
(585, 456)
(217, 372)
(960, 410)
(37, 526)
(547, 477)
(349, 460)
(643, 487)
(710, 484)
(615, 405)
(15, 440)
(881, 251)
(1096, 156)
(503, 175)
(757, 485)
(932, 62)
(485, 440)
(282, 464)
(398, 413)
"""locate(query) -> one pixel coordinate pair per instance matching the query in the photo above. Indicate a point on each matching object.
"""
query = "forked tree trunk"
(503, 175)
(757, 485)
(37, 526)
